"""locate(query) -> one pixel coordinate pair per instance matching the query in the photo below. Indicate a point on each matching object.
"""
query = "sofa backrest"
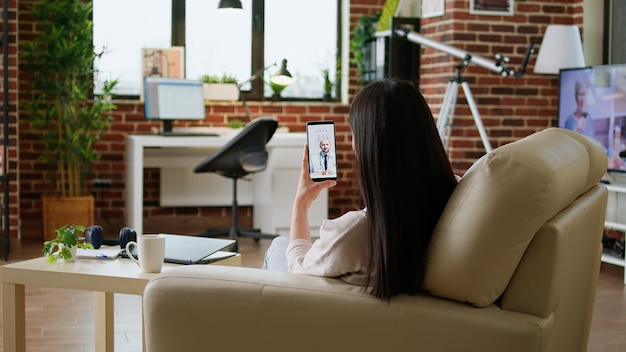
(498, 207)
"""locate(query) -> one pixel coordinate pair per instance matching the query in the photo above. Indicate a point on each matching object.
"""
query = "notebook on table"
(182, 249)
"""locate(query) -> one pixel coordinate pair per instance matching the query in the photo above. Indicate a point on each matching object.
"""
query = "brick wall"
(510, 108)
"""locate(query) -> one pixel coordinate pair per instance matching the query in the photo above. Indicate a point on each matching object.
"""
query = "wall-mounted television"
(170, 99)
(592, 101)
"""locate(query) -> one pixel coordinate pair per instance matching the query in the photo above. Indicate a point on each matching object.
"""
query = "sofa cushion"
(499, 205)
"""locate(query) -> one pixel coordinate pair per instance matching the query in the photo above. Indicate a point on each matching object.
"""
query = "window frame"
(255, 93)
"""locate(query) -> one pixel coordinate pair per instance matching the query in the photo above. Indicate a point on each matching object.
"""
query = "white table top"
(86, 274)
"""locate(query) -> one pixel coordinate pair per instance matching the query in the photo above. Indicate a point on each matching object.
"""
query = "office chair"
(243, 155)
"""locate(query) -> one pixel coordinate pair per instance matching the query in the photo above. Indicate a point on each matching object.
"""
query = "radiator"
(181, 187)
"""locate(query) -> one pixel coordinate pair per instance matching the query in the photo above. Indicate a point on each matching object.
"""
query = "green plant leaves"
(59, 62)
(67, 237)
(362, 33)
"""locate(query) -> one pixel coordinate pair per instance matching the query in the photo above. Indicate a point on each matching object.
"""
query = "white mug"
(150, 252)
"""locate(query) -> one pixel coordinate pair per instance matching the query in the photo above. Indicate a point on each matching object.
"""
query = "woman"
(405, 181)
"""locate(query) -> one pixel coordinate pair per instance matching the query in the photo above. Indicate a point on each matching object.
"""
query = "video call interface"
(318, 133)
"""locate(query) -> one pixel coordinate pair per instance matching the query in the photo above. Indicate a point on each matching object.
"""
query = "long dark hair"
(405, 180)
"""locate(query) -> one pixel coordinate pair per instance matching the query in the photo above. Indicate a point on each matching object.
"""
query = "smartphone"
(320, 136)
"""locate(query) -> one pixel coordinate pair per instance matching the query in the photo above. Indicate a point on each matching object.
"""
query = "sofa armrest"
(559, 271)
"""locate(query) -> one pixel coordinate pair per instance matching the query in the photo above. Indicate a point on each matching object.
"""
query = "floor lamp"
(561, 47)
(446, 114)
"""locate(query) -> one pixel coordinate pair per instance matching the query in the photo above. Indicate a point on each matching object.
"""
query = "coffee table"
(104, 277)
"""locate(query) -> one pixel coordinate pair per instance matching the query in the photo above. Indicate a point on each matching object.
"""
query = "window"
(306, 34)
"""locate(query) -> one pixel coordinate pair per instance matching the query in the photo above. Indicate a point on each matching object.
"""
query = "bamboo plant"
(63, 110)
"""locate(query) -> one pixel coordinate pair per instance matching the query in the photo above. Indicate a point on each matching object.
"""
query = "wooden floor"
(62, 320)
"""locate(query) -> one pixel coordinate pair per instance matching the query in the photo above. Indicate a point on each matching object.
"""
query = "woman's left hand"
(308, 190)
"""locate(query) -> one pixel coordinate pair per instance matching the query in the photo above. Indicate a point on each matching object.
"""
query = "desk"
(273, 189)
(104, 277)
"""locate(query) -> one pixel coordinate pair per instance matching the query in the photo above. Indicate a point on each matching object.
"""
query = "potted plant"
(362, 33)
(65, 244)
(60, 63)
(223, 87)
(329, 83)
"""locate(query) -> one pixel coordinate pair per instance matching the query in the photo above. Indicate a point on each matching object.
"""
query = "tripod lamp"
(561, 47)
(281, 78)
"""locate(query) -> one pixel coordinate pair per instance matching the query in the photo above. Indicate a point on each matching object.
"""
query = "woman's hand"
(308, 190)
(306, 193)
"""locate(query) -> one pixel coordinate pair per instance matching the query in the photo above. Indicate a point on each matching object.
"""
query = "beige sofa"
(513, 266)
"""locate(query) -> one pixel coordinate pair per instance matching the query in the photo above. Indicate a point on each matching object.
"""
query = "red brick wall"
(510, 108)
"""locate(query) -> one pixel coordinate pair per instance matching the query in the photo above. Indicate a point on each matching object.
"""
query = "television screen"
(170, 99)
(592, 101)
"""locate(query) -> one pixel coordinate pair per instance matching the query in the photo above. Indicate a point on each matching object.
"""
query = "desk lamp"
(561, 47)
(282, 77)
(280, 80)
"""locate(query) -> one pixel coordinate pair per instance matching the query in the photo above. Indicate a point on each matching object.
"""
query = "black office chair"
(241, 156)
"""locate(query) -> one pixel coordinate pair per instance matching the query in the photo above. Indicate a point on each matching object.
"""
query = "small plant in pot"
(65, 244)
(220, 87)
(328, 85)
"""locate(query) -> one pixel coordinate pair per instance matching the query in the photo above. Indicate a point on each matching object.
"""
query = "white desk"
(104, 277)
(273, 189)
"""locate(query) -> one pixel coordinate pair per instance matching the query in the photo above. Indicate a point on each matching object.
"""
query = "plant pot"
(58, 211)
(220, 91)
(73, 251)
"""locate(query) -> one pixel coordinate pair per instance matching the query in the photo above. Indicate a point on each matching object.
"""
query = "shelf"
(607, 258)
(616, 188)
(617, 185)
(615, 225)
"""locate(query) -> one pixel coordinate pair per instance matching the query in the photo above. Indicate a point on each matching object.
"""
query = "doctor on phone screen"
(324, 162)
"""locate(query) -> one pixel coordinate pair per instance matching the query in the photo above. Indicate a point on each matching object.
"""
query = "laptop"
(182, 249)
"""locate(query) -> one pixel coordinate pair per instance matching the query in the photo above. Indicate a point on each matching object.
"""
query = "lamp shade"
(229, 4)
(561, 47)
(282, 76)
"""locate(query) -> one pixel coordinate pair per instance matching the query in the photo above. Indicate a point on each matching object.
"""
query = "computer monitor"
(170, 99)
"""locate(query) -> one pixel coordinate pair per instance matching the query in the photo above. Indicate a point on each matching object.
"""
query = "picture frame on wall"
(492, 7)
(433, 8)
(163, 62)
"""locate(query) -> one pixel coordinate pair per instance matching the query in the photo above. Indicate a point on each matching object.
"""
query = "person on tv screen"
(580, 120)
(403, 172)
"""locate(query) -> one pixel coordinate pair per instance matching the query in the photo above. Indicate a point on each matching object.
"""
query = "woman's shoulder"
(345, 223)
(351, 216)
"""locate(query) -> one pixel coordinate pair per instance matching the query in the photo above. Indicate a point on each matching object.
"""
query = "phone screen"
(322, 153)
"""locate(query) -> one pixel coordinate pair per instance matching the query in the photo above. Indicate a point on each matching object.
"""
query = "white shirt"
(341, 251)
(317, 164)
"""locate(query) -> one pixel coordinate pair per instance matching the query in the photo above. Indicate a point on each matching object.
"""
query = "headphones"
(95, 236)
